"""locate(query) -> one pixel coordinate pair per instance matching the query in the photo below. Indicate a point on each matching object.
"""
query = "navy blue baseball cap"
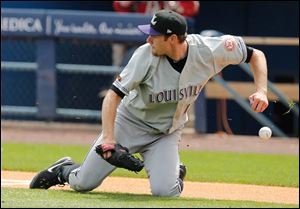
(165, 22)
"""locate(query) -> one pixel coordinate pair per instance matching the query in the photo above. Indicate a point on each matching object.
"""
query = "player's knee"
(82, 185)
(165, 191)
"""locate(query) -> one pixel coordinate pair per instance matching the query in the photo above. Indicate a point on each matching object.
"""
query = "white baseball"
(265, 133)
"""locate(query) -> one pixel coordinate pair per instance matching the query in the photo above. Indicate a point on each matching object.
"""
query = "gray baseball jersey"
(160, 96)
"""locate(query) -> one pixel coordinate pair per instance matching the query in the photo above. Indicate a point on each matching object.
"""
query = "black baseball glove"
(120, 157)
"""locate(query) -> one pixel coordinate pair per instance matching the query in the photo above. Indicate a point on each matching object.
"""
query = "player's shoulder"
(198, 39)
(143, 54)
(212, 42)
(194, 39)
(144, 49)
(201, 41)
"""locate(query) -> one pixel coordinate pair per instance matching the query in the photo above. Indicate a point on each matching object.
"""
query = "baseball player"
(146, 108)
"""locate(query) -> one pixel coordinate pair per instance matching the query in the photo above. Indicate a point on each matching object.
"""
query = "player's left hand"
(258, 101)
(119, 157)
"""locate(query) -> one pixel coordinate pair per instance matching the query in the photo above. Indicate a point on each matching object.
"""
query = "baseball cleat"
(50, 176)
(182, 171)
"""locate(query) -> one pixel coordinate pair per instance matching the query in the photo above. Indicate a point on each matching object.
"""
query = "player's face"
(158, 44)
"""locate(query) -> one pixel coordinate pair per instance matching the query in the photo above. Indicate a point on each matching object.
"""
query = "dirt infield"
(34, 132)
(216, 191)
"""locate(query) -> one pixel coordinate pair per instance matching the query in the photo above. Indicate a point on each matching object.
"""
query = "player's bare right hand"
(258, 101)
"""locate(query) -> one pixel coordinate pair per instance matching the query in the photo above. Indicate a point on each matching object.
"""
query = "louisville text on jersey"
(175, 95)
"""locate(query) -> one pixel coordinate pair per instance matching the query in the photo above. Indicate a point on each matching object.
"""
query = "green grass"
(260, 169)
(25, 198)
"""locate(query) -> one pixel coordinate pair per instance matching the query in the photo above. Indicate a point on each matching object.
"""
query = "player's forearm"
(258, 66)
(109, 109)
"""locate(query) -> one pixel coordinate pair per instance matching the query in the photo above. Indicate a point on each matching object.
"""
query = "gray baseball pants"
(159, 152)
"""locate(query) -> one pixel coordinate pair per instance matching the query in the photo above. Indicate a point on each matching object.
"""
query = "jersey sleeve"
(135, 71)
(227, 50)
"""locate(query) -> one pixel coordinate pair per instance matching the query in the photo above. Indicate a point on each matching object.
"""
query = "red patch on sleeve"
(229, 44)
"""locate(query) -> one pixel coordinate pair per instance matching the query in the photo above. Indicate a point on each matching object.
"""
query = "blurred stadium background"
(56, 61)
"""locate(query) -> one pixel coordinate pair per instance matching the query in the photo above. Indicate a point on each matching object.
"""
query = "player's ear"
(173, 38)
